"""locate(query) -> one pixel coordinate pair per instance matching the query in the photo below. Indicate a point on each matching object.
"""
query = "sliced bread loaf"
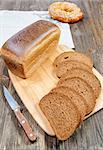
(83, 88)
(61, 113)
(65, 66)
(75, 97)
(73, 56)
(90, 78)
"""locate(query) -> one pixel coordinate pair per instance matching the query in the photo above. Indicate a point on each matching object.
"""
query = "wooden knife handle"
(24, 123)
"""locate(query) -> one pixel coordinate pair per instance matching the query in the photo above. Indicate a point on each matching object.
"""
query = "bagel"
(65, 12)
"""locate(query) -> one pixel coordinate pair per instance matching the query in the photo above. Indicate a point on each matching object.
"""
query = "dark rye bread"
(73, 56)
(65, 66)
(90, 78)
(61, 113)
(83, 88)
(76, 98)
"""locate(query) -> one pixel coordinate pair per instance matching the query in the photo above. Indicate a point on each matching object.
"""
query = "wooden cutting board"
(43, 80)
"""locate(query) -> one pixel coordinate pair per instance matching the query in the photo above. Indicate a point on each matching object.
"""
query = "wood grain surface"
(86, 34)
(35, 89)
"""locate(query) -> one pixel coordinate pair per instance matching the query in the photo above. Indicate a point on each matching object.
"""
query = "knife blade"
(22, 120)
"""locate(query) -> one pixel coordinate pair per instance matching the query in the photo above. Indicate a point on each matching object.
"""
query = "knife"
(22, 120)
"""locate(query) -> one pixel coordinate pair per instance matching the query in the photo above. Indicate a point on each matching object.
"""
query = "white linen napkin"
(13, 21)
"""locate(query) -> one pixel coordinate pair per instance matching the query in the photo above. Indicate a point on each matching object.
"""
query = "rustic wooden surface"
(86, 34)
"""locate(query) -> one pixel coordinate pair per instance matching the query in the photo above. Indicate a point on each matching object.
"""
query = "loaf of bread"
(24, 52)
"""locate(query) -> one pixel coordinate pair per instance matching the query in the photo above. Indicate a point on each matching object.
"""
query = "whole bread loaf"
(28, 49)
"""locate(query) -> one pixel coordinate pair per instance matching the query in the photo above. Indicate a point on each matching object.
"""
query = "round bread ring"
(65, 12)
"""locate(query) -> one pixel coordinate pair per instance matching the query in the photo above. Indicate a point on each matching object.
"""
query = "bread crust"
(23, 50)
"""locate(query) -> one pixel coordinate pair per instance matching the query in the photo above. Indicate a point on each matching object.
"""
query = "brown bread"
(75, 97)
(28, 49)
(73, 56)
(65, 66)
(90, 78)
(61, 113)
(83, 88)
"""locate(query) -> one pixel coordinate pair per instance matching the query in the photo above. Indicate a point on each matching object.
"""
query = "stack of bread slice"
(75, 95)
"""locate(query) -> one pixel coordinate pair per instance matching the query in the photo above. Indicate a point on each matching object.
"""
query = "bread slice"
(75, 97)
(73, 56)
(90, 78)
(83, 88)
(61, 113)
(65, 66)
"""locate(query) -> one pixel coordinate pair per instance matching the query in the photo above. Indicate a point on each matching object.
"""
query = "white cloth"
(13, 21)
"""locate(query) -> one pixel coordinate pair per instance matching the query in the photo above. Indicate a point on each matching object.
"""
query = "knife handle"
(24, 123)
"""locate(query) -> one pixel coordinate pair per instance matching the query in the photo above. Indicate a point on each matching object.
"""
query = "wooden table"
(86, 34)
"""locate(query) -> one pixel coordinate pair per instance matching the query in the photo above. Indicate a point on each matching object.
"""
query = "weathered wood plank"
(86, 34)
